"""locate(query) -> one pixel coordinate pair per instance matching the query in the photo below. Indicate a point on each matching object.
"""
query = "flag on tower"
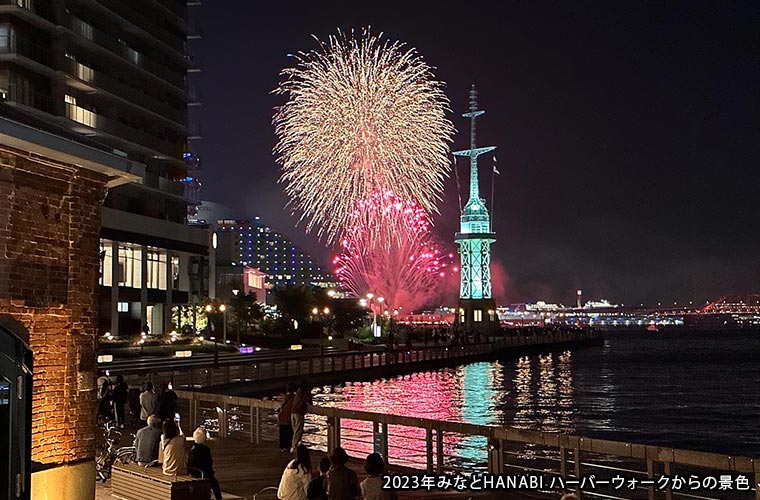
(495, 170)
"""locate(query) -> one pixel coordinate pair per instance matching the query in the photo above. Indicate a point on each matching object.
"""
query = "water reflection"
(530, 392)
(694, 390)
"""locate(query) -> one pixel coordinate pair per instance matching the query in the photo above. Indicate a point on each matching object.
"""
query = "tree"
(294, 302)
(348, 315)
(246, 310)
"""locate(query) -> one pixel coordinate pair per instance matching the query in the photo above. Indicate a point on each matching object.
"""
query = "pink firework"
(388, 249)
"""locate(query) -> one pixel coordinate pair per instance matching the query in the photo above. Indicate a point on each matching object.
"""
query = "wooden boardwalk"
(244, 469)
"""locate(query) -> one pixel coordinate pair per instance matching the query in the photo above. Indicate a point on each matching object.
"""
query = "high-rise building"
(253, 243)
(477, 308)
(114, 75)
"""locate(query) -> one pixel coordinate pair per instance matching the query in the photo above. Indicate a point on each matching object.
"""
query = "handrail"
(556, 440)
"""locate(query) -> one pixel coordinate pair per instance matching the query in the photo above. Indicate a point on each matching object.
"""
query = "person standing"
(120, 396)
(105, 402)
(296, 476)
(200, 461)
(167, 402)
(284, 418)
(148, 403)
(171, 452)
(301, 400)
(146, 441)
(342, 483)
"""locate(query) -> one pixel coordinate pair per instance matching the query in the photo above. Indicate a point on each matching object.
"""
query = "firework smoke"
(406, 270)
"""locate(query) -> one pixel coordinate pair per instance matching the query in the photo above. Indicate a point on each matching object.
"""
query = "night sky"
(628, 133)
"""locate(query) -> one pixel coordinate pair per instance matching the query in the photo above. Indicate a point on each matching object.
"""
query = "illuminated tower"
(477, 308)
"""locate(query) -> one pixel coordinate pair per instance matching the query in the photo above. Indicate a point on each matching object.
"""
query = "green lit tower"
(477, 308)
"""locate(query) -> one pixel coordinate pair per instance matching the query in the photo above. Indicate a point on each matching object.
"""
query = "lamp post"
(370, 299)
(216, 352)
(381, 301)
(315, 312)
(223, 309)
(390, 330)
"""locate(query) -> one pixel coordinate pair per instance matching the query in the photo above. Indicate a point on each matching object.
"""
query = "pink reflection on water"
(433, 395)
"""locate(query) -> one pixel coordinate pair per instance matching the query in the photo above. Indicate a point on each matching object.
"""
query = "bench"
(136, 482)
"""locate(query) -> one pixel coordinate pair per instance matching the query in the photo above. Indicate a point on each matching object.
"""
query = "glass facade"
(15, 416)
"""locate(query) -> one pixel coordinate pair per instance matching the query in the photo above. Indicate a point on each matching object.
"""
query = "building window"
(156, 277)
(122, 307)
(129, 267)
(175, 272)
(478, 315)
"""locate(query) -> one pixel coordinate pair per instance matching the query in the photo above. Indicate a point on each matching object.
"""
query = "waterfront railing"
(433, 447)
(304, 365)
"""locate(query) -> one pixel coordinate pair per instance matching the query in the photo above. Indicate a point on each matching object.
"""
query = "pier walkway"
(245, 469)
(266, 374)
(248, 426)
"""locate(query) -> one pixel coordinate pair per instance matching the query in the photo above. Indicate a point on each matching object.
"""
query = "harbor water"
(685, 389)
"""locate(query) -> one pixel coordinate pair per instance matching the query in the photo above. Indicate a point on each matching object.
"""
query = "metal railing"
(25, 95)
(109, 126)
(196, 375)
(437, 447)
(12, 44)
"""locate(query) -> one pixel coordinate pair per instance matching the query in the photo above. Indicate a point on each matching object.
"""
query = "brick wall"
(49, 263)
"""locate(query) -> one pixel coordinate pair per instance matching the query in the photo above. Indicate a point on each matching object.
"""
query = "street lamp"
(216, 352)
(316, 313)
(223, 308)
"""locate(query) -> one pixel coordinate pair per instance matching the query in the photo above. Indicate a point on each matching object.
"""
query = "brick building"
(52, 191)
(116, 74)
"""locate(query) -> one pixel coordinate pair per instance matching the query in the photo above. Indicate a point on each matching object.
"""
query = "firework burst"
(404, 271)
(363, 115)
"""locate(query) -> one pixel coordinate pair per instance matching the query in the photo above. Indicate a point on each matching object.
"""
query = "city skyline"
(624, 135)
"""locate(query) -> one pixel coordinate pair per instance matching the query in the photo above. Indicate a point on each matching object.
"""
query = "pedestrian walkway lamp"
(316, 313)
(222, 308)
(216, 352)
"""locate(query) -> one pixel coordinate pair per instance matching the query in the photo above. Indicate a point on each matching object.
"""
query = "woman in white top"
(296, 477)
(171, 449)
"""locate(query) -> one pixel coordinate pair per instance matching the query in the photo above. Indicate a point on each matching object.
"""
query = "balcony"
(193, 96)
(133, 18)
(24, 96)
(163, 184)
(39, 8)
(104, 82)
(95, 124)
(194, 132)
(128, 54)
(20, 46)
